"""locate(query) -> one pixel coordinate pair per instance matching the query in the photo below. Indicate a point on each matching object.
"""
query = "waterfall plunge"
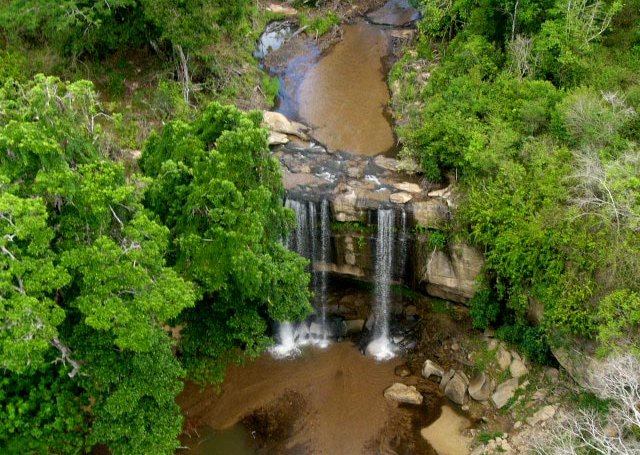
(381, 346)
(314, 244)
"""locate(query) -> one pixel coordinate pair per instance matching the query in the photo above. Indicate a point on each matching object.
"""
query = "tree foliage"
(218, 190)
(543, 141)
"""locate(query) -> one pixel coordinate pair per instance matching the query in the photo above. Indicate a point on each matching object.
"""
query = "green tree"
(220, 192)
(83, 282)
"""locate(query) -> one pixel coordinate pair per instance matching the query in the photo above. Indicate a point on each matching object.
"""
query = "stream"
(327, 399)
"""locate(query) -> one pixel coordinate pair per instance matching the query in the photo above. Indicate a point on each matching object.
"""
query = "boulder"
(503, 357)
(446, 378)
(276, 122)
(431, 369)
(400, 198)
(408, 187)
(345, 207)
(504, 392)
(276, 138)
(283, 10)
(518, 368)
(386, 163)
(403, 394)
(580, 362)
(543, 414)
(452, 274)
(481, 387)
(456, 389)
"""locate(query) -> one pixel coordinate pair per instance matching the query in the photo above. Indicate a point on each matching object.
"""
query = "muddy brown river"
(345, 94)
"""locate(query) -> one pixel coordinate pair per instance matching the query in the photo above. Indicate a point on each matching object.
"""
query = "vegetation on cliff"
(533, 108)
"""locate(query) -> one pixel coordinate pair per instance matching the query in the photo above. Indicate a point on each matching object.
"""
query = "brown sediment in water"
(345, 94)
(445, 435)
(339, 407)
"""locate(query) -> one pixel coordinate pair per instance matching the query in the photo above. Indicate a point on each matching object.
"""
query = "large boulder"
(481, 387)
(446, 378)
(278, 123)
(503, 357)
(452, 274)
(456, 389)
(504, 392)
(518, 368)
(403, 394)
(580, 362)
(542, 415)
(431, 369)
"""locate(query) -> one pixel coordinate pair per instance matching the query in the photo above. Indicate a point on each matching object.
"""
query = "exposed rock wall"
(356, 187)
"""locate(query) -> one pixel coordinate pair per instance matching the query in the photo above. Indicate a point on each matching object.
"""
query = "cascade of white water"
(403, 244)
(381, 347)
(314, 244)
(286, 342)
(325, 245)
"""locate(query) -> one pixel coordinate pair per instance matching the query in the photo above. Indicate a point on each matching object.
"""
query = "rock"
(402, 371)
(276, 138)
(355, 172)
(403, 394)
(432, 213)
(403, 34)
(481, 387)
(503, 357)
(446, 378)
(431, 368)
(408, 187)
(480, 450)
(400, 198)
(354, 326)
(452, 274)
(543, 414)
(345, 207)
(386, 163)
(456, 389)
(455, 347)
(504, 392)
(281, 9)
(518, 368)
(371, 320)
(397, 13)
(276, 122)
(492, 344)
(580, 362)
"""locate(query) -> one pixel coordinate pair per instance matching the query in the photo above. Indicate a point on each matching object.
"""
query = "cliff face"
(356, 187)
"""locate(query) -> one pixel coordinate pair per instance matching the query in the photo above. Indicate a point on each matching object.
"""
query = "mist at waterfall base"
(312, 239)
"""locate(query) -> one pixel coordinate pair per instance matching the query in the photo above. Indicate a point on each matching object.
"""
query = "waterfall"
(287, 345)
(403, 241)
(381, 347)
(325, 245)
(314, 243)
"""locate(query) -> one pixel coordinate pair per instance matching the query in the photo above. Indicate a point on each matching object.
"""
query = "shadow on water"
(207, 441)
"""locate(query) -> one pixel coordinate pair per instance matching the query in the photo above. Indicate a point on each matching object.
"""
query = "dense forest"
(141, 216)
(532, 108)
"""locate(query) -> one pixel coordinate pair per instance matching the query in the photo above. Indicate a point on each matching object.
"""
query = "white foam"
(380, 349)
